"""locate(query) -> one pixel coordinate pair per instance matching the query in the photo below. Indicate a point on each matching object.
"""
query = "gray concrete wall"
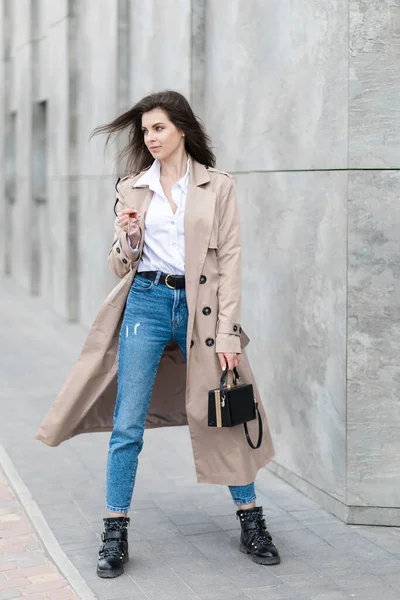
(301, 100)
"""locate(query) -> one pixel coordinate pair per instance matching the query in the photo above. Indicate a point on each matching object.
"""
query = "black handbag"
(231, 405)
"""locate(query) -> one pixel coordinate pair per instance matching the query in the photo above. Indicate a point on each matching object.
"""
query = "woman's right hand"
(128, 220)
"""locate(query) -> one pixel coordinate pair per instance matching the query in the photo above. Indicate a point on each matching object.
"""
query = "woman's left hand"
(232, 358)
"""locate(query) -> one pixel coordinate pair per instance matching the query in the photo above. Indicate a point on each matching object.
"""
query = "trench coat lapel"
(199, 218)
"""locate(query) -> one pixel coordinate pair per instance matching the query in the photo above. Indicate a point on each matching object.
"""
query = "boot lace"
(261, 536)
(113, 548)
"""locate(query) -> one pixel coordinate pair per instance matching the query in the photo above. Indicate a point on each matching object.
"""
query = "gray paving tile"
(392, 579)
(327, 529)
(291, 565)
(285, 523)
(372, 593)
(223, 593)
(387, 567)
(281, 592)
(9, 594)
(330, 596)
(154, 516)
(357, 581)
(348, 569)
(112, 589)
(160, 582)
(227, 523)
(208, 578)
(75, 534)
(188, 518)
(172, 545)
(199, 528)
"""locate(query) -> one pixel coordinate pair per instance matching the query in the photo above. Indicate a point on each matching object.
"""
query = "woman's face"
(161, 136)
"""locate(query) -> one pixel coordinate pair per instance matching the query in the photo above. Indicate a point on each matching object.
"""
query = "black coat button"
(124, 261)
(210, 342)
(235, 328)
(206, 310)
(191, 343)
(203, 279)
(117, 249)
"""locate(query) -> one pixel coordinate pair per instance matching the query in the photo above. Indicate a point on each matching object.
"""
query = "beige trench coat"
(180, 395)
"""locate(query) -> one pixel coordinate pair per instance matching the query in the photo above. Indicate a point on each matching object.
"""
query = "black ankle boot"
(113, 554)
(255, 538)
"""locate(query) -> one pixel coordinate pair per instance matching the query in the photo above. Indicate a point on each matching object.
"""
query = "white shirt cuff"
(128, 239)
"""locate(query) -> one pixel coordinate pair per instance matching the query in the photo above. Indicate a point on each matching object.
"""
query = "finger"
(128, 211)
(231, 364)
(221, 360)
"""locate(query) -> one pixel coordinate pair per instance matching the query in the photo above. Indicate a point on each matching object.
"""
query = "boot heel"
(244, 549)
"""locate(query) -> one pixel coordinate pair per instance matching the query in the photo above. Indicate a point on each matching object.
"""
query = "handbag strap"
(260, 426)
(260, 431)
(224, 377)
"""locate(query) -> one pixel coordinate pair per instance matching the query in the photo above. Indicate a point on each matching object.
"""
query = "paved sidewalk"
(25, 569)
(183, 536)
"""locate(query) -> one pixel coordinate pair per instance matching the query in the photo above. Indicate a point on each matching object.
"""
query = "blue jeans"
(154, 315)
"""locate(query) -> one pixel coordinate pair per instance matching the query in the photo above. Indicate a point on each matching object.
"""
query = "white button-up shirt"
(164, 242)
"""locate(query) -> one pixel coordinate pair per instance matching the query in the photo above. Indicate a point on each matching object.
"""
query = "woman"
(177, 250)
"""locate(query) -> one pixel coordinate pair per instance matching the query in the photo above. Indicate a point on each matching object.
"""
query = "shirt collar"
(152, 177)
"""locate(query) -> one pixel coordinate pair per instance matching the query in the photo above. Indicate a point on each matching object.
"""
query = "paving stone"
(331, 596)
(189, 518)
(372, 593)
(9, 594)
(197, 528)
(27, 571)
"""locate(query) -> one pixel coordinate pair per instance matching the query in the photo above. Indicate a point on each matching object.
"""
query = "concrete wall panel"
(3, 116)
(97, 82)
(96, 219)
(161, 42)
(276, 83)
(373, 451)
(22, 210)
(294, 308)
(96, 170)
(374, 79)
(294, 237)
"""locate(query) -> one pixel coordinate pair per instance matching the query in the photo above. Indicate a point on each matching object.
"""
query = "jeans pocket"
(141, 284)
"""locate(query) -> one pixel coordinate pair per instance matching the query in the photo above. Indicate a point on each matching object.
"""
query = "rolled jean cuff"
(244, 501)
(243, 494)
(116, 509)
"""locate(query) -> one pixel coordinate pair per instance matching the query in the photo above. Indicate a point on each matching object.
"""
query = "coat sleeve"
(229, 255)
(122, 257)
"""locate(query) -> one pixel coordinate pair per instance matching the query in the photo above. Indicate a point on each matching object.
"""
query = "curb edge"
(42, 529)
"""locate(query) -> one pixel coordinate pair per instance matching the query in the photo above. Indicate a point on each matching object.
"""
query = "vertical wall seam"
(347, 253)
(72, 271)
(123, 69)
(197, 56)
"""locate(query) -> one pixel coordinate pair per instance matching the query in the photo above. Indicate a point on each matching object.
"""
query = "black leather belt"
(175, 282)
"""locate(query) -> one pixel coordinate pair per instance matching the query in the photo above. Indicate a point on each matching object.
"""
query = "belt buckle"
(166, 281)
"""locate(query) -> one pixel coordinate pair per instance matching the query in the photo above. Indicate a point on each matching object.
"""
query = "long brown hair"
(179, 111)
